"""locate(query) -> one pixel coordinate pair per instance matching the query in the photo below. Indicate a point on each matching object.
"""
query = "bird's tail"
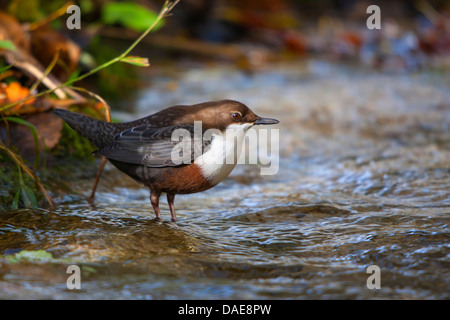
(98, 132)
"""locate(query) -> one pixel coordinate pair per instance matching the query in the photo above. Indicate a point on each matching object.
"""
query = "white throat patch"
(221, 158)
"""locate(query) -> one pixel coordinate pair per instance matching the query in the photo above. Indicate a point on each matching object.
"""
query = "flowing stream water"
(363, 179)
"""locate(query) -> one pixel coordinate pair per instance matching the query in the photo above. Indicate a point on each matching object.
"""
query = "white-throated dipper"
(143, 149)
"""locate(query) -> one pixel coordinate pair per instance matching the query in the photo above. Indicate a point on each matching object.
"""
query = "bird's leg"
(154, 199)
(170, 200)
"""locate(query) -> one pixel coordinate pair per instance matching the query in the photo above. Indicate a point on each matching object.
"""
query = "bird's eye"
(236, 115)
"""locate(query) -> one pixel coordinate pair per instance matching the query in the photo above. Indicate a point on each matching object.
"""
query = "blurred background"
(249, 35)
(364, 150)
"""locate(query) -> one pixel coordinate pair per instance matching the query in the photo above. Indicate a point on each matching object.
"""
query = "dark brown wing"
(156, 147)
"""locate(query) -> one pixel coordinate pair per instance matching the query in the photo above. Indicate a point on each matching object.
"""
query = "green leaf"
(34, 256)
(6, 44)
(5, 68)
(25, 199)
(130, 15)
(15, 203)
(86, 270)
(29, 198)
(136, 61)
(74, 75)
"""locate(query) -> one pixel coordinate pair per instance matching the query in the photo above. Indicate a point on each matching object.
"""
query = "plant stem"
(165, 10)
(19, 162)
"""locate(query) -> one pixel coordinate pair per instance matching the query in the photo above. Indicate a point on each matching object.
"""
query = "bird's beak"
(260, 120)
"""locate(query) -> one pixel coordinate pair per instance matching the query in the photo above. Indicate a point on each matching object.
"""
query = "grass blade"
(35, 136)
(18, 160)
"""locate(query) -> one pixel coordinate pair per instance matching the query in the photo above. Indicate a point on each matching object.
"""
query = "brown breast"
(186, 179)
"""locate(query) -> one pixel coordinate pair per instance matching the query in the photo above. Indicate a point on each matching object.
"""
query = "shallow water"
(364, 179)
